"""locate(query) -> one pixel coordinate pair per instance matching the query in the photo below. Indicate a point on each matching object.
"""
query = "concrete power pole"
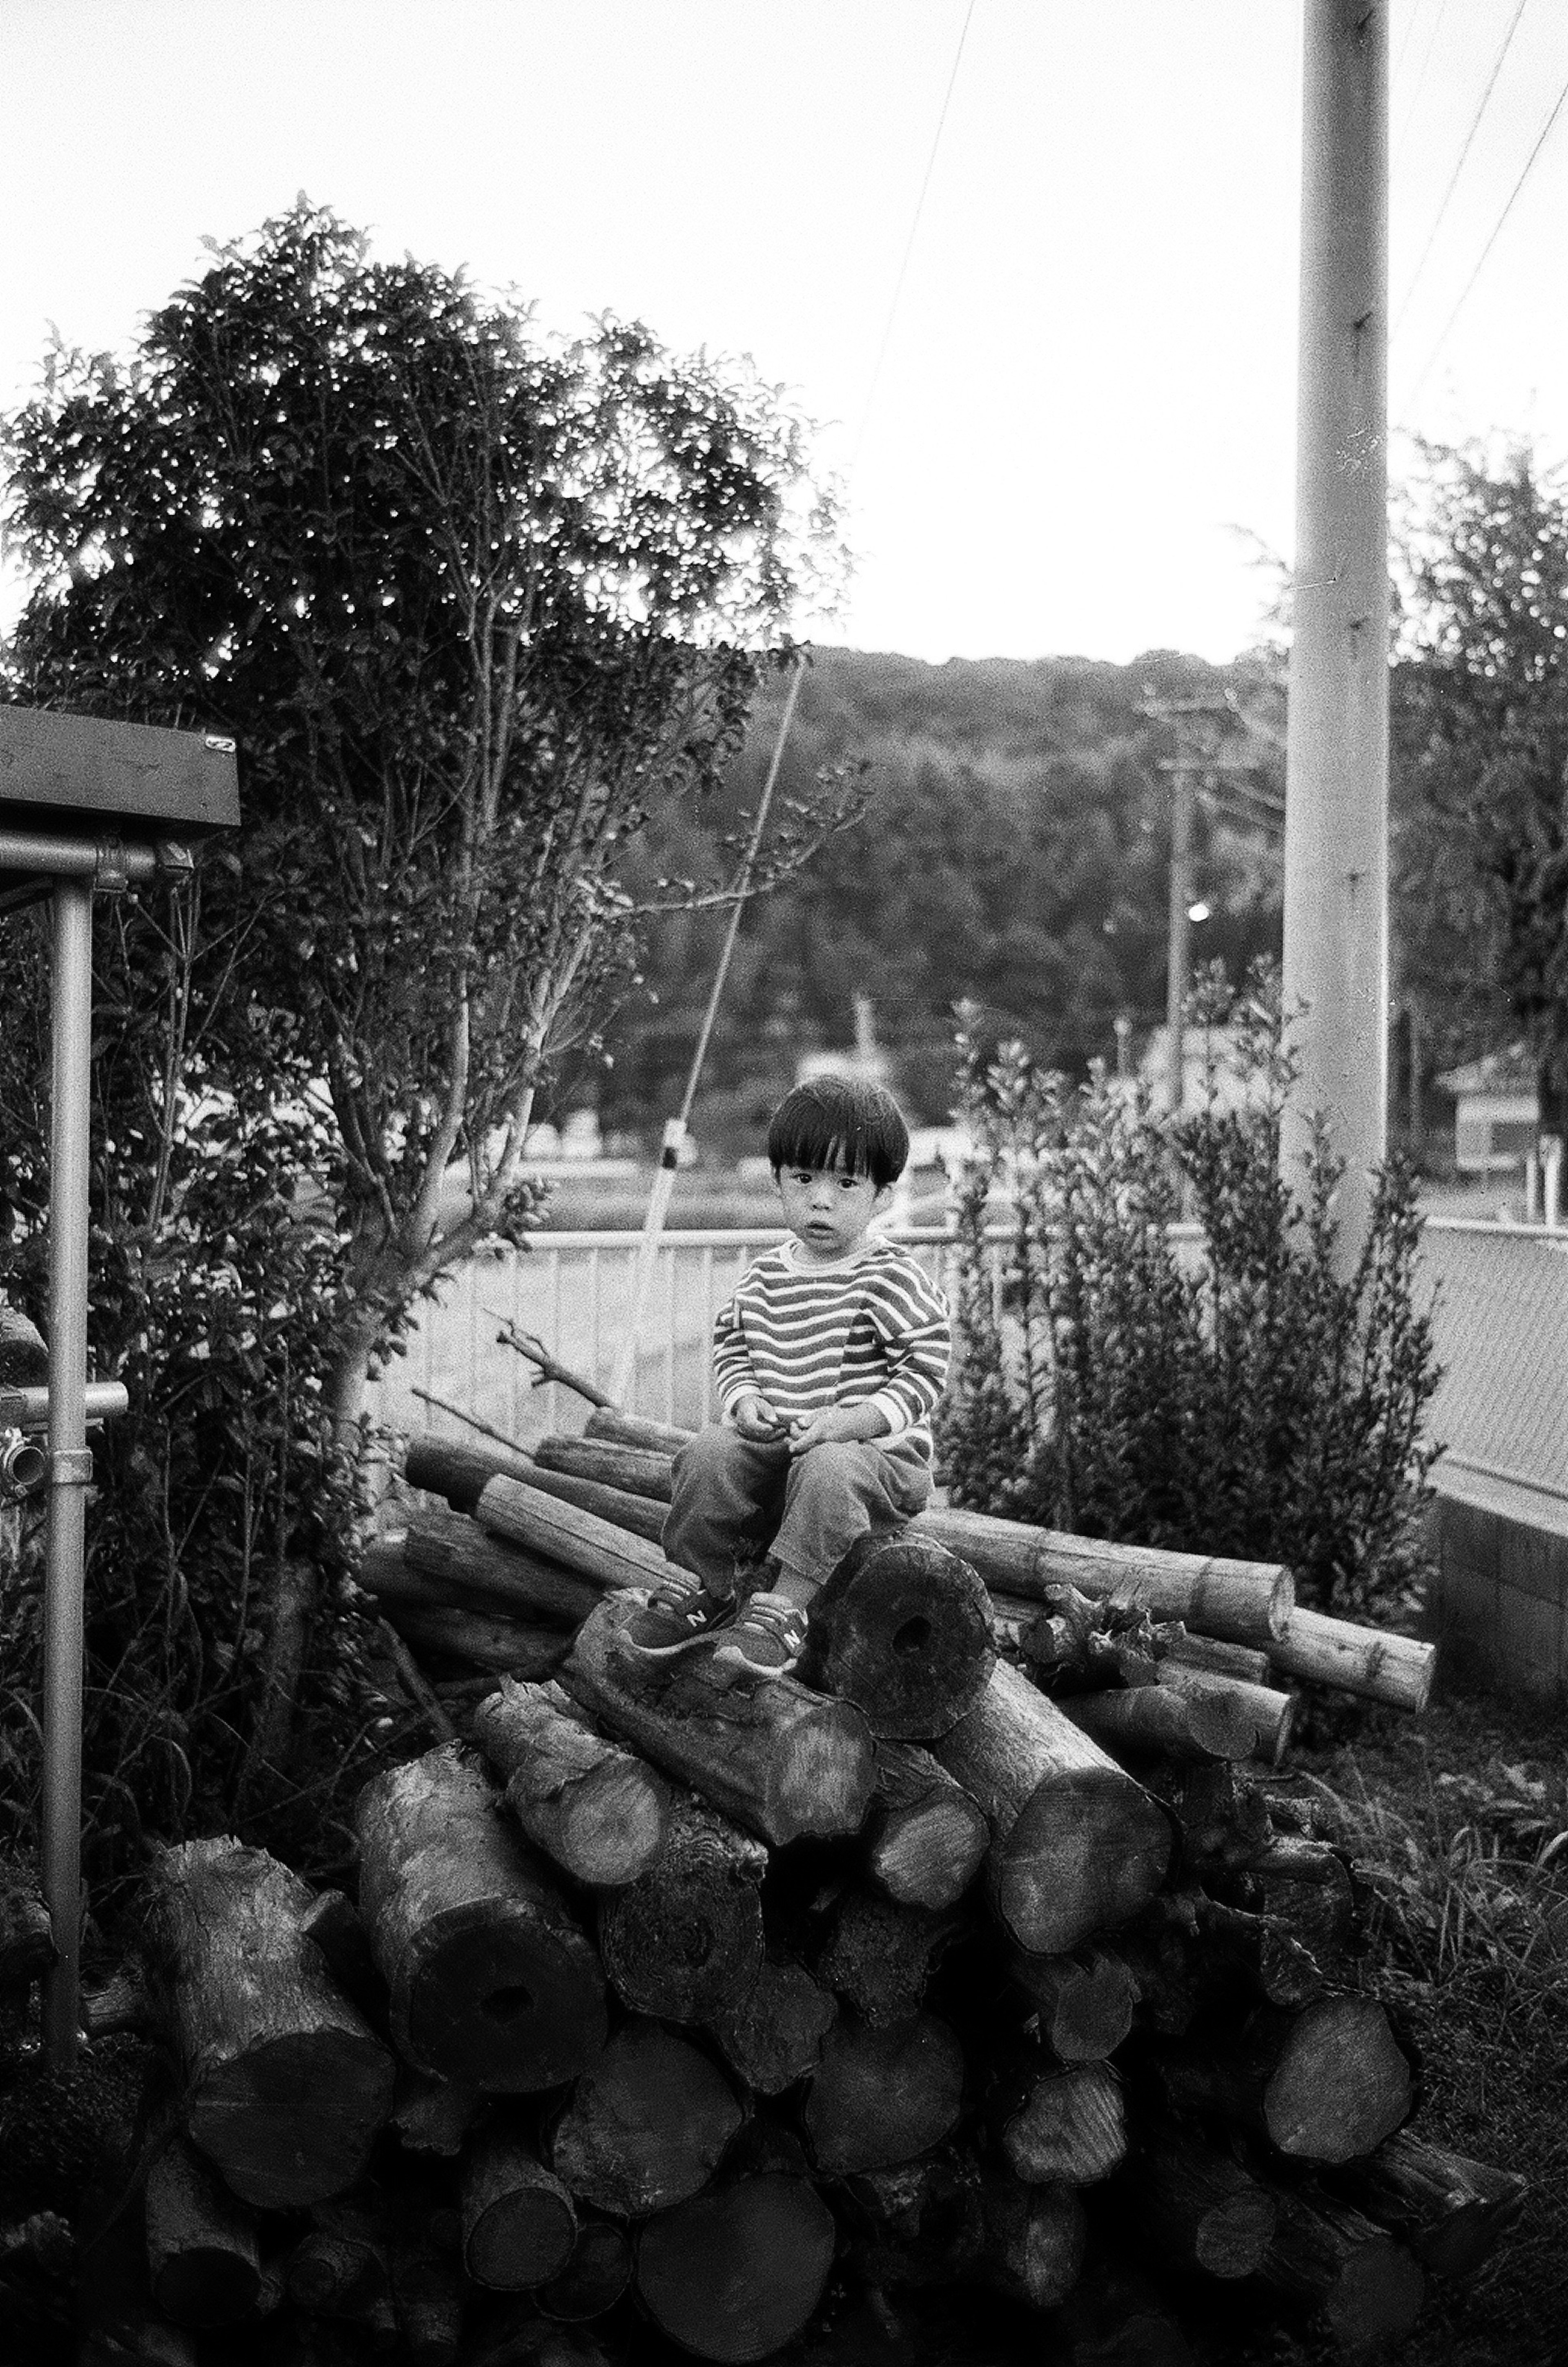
(1336, 952)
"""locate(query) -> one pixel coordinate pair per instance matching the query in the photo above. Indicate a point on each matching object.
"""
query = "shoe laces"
(777, 1614)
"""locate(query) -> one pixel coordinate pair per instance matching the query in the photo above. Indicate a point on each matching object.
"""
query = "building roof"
(1510, 1071)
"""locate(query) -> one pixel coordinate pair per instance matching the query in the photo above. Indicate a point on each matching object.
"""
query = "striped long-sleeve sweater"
(871, 1329)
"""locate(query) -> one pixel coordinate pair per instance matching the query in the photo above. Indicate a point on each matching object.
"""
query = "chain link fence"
(1501, 1318)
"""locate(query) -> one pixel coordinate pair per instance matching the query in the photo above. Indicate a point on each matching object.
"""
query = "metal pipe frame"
(28, 1408)
(70, 1459)
(68, 857)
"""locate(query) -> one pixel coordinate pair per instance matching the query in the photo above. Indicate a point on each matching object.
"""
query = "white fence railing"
(573, 1293)
(1501, 1323)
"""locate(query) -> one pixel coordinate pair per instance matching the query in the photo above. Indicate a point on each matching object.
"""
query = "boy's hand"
(755, 1418)
(837, 1426)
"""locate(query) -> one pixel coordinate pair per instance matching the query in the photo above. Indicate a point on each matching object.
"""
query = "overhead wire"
(1541, 138)
(1404, 44)
(909, 241)
(1458, 166)
(675, 1127)
(1404, 132)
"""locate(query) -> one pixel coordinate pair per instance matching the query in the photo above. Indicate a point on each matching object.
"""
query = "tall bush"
(226, 1676)
(1227, 1390)
(475, 603)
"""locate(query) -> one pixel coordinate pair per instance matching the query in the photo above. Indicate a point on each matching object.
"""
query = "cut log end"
(519, 2227)
(1076, 1846)
(647, 2125)
(1232, 2235)
(928, 1837)
(929, 1857)
(684, 1941)
(599, 1812)
(882, 2096)
(1083, 1857)
(1035, 2239)
(292, 2122)
(734, 2275)
(203, 2247)
(613, 1828)
(1341, 2082)
(1086, 2008)
(493, 1984)
(1070, 2128)
(823, 1782)
(501, 2004)
(1378, 2298)
(775, 2034)
(902, 1628)
(594, 2278)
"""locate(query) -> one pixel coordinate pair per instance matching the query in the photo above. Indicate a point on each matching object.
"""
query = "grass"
(1460, 1822)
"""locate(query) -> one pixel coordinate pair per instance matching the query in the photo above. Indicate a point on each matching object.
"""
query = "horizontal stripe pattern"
(807, 1338)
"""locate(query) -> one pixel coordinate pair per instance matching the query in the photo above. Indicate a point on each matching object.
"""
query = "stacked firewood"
(989, 1951)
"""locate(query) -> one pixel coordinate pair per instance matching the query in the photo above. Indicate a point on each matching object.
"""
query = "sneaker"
(678, 1617)
(767, 1638)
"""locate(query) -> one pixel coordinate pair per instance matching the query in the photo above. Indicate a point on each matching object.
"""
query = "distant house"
(1496, 1112)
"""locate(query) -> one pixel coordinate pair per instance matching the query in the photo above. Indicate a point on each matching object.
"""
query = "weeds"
(1464, 1877)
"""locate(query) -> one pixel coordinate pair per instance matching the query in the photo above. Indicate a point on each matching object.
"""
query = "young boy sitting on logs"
(828, 1360)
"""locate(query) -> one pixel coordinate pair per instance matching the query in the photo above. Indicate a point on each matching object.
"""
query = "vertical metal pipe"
(69, 1461)
(1336, 953)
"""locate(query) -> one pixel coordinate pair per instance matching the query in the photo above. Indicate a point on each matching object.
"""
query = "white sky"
(1085, 403)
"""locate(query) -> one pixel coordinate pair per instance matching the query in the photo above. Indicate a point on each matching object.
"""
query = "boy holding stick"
(830, 1359)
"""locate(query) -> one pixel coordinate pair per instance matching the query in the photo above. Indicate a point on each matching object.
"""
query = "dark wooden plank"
(113, 774)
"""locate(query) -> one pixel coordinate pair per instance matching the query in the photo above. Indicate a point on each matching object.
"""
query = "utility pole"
(1178, 942)
(1336, 950)
(1198, 719)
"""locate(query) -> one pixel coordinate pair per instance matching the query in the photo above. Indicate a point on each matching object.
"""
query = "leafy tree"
(1481, 758)
(473, 605)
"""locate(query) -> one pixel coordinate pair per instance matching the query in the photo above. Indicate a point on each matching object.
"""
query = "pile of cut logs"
(991, 1950)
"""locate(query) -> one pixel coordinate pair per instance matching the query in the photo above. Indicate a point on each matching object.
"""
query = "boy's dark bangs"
(831, 1123)
(812, 1138)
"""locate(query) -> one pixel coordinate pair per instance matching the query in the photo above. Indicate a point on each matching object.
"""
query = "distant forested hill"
(1014, 852)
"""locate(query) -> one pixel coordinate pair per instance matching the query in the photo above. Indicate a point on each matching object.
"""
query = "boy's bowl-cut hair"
(840, 1122)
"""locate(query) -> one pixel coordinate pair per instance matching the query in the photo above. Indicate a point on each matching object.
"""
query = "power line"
(909, 241)
(1459, 167)
(1409, 28)
(1541, 138)
(1421, 77)
(675, 1127)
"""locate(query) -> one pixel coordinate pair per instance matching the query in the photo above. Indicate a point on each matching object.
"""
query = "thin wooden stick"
(412, 1677)
(529, 1344)
(472, 1419)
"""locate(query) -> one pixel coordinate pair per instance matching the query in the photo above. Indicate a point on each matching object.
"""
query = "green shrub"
(226, 1684)
(1219, 1388)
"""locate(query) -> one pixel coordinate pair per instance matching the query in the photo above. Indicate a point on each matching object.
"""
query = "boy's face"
(828, 1210)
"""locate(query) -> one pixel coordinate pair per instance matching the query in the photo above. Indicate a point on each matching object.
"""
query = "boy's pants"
(731, 1501)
